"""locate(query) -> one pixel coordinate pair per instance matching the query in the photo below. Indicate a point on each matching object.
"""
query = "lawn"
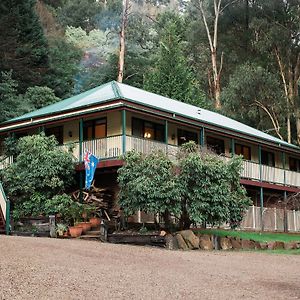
(255, 236)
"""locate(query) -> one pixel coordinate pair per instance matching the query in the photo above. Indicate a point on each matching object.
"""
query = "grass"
(255, 236)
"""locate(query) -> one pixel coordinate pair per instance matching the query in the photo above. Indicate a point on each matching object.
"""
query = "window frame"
(92, 123)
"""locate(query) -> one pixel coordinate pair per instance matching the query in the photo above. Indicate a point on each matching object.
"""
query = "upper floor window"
(148, 130)
(216, 145)
(185, 136)
(294, 164)
(57, 131)
(243, 150)
(268, 158)
(94, 129)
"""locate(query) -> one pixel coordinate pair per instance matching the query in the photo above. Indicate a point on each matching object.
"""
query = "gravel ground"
(41, 268)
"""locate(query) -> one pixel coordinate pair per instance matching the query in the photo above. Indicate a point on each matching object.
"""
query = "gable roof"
(114, 90)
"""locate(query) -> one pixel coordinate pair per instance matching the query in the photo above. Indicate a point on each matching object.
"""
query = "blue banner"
(90, 163)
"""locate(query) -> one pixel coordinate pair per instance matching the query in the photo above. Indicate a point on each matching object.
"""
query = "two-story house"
(114, 118)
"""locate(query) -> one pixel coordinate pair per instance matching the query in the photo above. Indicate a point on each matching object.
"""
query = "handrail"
(5, 206)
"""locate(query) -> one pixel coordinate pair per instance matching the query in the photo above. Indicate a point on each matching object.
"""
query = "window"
(243, 150)
(267, 158)
(216, 145)
(57, 132)
(94, 129)
(185, 136)
(294, 164)
(148, 130)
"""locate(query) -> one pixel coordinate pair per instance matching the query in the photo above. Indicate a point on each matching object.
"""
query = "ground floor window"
(268, 158)
(148, 130)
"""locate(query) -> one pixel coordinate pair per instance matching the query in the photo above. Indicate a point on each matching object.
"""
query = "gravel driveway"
(41, 268)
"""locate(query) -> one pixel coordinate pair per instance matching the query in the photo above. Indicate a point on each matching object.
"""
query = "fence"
(273, 219)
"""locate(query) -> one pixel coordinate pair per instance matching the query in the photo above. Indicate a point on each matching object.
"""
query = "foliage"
(40, 167)
(200, 187)
(148, 183)
(171, 76)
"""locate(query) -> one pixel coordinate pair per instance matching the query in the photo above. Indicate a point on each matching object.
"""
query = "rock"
(297, 245)
(236, 243)
(248, 244)
(205, 242)
(190, 238)
(181, 243)
(290, 245)
(275, 245)
(171, 242)
(263, 245)
(257, 246)
(225, 243)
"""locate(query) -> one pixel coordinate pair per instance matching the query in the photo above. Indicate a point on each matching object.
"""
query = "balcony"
(112, 147)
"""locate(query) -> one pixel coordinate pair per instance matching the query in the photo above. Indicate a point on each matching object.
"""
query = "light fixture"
(147, 135)
(70, 133)
(173, 136)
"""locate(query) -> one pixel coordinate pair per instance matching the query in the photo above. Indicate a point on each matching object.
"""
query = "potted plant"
(75, 215)
(61, 229)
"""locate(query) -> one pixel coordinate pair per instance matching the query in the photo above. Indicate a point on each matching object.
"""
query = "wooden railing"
(5, 162)
(112, 147)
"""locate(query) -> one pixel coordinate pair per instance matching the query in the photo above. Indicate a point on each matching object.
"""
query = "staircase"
(2, 222)
(4, 212)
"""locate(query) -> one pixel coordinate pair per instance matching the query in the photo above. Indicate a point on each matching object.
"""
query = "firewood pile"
(102, 198)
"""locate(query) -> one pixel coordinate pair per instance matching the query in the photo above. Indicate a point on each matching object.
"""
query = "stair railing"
(5, 207)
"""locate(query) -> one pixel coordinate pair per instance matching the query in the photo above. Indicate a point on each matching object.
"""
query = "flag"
(90, 164)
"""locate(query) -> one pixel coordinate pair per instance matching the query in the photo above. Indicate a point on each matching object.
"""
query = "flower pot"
(86, 226)
(75, 231)
(95, 222)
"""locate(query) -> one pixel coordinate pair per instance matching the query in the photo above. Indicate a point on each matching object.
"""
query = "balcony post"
(283, 166)
(232, 146)
(123, 131)
(261, 189)
(202, 136)
(80, 159)
(166, 135)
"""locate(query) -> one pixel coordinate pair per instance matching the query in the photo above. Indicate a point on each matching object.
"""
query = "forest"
(240, 58)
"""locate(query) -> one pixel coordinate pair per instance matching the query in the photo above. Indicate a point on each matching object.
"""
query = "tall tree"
(23, 46)
(171, 75)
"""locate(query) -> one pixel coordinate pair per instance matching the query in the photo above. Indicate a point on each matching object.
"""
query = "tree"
(254, 96)
(148, 184)
(39, 96)
(8, 96)
(199, 188)
(171, 75)
(23, 47)
(40, 168)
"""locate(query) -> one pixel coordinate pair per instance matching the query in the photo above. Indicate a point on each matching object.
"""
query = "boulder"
(248, 244)
(263, 245)
(257, 246)
(190, 238)
(171, 242)
(236, 243)
(275, 245)
(181, 243)
(290, 245)
(225, 243)
(205, 242)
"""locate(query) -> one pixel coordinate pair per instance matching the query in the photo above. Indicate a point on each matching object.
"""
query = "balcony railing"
(112, 147)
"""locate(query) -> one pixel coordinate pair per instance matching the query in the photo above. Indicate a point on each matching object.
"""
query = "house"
(114, 118)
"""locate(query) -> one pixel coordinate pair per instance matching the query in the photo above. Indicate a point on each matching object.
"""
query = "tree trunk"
(122, 41)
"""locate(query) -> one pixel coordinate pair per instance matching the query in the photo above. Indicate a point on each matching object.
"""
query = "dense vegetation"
(248, 68)
(197, 187)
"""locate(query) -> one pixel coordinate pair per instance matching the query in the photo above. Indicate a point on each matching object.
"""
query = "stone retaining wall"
(188, 240)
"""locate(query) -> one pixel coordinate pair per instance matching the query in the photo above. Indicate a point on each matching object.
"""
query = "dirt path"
(40, 268)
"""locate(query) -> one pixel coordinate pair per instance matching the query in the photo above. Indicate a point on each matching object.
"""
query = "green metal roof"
(114, 90)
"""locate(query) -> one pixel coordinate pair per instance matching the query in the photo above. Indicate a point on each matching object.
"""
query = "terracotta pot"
(95, 222)
(75, 231)
(86, 226)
